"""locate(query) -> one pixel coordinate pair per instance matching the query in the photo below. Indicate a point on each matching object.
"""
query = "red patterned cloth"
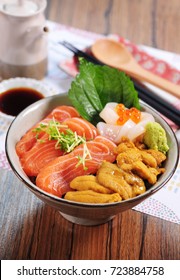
(148, 62)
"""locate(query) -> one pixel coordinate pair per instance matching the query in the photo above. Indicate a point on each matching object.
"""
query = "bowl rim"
(39, 192)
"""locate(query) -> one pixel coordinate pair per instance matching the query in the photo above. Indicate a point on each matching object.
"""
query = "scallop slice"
(109, 131)
(108, 114)
(140, 127)
(124, 130)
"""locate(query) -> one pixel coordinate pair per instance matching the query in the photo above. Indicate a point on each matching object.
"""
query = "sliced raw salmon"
(45, 150)
(82, 127)
(55, 177)
(63, 112)
(39, 155)
(60, 113)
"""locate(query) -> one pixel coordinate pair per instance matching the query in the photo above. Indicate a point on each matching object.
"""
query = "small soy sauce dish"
(18, 93)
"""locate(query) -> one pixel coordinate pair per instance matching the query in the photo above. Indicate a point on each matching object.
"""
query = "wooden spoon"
(116, 55)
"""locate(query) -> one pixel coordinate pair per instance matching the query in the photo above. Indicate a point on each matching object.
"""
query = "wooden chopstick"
(144, 93)
(79, 52)
(157, 102)
(170, 114)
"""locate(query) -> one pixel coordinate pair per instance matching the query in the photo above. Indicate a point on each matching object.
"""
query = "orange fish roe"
(126, 114)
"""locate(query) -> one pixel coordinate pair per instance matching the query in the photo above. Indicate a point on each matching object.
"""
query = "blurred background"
(154, 23)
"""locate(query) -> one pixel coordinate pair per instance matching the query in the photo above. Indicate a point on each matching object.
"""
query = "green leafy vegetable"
(97, 85)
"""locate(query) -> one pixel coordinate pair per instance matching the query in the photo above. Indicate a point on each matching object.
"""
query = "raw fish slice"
(115, 132)
(108, 114)
(44, 151)
(82, 127)
(29, 139)
(63, 112)
(107, 142)
(128, 126)
(40, 154)
(56, 176)
(130, 129)
(108, 130)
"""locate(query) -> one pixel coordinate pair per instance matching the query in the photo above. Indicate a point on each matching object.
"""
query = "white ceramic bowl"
(81, 213)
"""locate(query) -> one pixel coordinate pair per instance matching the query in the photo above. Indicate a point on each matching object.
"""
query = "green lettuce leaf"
(96, 85)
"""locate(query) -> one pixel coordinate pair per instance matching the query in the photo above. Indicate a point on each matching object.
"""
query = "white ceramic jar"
(23, 47)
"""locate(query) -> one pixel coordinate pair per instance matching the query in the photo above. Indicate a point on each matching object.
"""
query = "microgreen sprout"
(66, 139)
(86, 156)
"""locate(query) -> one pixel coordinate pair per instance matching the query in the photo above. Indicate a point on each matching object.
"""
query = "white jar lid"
(22, 8)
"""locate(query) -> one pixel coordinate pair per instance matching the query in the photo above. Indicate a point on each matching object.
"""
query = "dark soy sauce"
(13, 101)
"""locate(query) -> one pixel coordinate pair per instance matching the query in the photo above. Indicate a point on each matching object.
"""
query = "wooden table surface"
(32, 230)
